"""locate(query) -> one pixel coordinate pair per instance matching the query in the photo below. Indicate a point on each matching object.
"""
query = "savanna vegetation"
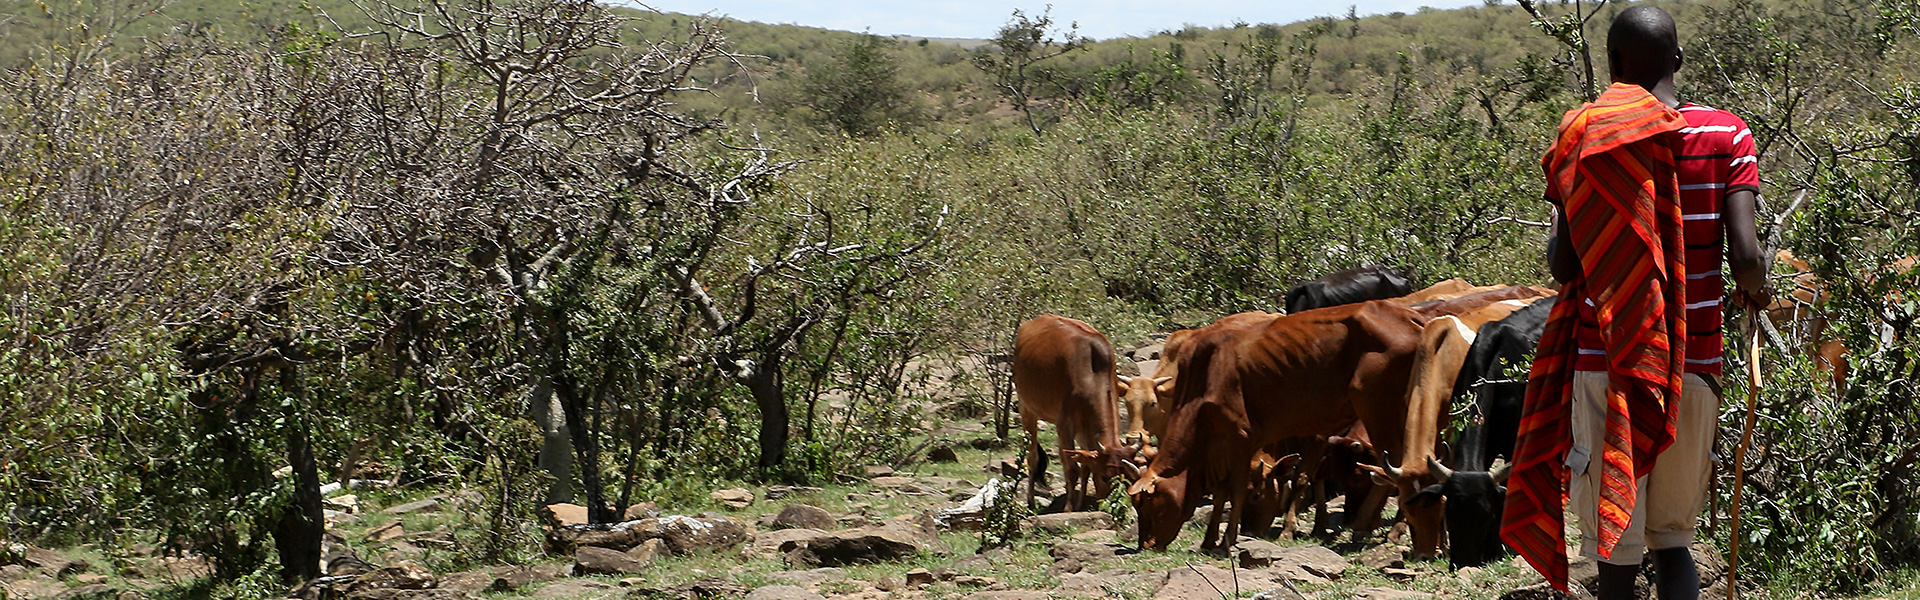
(547, 250)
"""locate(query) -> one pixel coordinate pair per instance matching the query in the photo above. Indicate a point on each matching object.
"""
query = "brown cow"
(1146, 416)
(1239, 390)
(1063, 373)
(1444, 343)
(1445, 290)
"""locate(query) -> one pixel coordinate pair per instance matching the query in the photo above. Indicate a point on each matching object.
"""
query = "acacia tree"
(859, 91)
(1018, 49)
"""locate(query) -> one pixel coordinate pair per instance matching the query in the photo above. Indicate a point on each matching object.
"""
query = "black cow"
(1475, 496)
(1347, 287)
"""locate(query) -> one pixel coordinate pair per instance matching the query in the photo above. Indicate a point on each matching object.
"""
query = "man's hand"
(1756, 300)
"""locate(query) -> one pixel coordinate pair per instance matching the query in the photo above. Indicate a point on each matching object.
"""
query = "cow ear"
(1378, 475)
(1427, 497)
(1163, 385)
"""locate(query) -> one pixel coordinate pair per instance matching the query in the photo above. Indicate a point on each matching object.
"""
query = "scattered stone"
(398, 594)
(511, 578)
(1384, 557)
(1304, 563)
(1539, 591)
(942, 454)
(86, 591)
(1064, 523)
(347, 503)
(650, 550)
(1002, 466)
(13, 572)
(643, 510)
(973, 581)
(386, 532)
(578, 589)
(90, 578)
(53, 563)
(594, 560)
(1148, 352)
(427, 505)
(784, 540)
(683, 534)
(735, 498)
(811, 577)
(886, 584)
(783, 592)
(632, 582)
(1008, 595)
(918, 578)
(403, 576)
(803, 516)
(565, 514)
(1380, 593)
(873, 471)
(712, 587)
(1204, 581)
(891, 541)
(1073, 557)
(1399, 574)
(467, 582)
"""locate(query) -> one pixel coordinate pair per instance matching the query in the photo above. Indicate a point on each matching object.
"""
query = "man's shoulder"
(1701, 115)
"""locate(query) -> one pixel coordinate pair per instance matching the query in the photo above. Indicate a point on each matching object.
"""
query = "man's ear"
(1679, 57)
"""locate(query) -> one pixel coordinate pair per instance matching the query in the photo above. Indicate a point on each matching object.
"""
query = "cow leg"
(1036, 460)
(1368, 518)
(1320, 507)
(1212, 540)
(1238, 511)
(1290, 495)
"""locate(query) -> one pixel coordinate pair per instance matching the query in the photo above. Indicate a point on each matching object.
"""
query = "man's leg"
(1588, 426)
(1677, 489)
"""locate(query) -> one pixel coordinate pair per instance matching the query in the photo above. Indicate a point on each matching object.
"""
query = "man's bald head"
(1642, 45)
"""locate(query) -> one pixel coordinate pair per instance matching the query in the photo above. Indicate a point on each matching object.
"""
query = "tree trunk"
(763, 381)
(302, 524)
(586, 449)
(556, 447)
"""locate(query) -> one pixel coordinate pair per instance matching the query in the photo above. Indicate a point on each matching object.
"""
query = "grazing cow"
(1347, 287)
(1063, 373)
(1239, 390)
(1445, 290)
(1146, 415)
(1473, 494)
(1444, 345)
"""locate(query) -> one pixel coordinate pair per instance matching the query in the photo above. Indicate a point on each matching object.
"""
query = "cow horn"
(1434, 465)
(1126, 380)
(1133, 470)
(1387, 461)
(1162, 380)
(1501, 469)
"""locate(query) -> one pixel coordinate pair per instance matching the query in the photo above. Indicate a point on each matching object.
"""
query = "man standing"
(1623, 398)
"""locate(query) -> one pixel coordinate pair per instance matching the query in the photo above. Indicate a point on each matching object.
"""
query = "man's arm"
(1562, 259)
(1743, 249)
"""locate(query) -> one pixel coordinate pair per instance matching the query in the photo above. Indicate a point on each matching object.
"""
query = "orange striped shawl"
(1613, 164)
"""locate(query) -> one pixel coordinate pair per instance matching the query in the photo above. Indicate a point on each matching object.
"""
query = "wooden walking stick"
(1740, 454)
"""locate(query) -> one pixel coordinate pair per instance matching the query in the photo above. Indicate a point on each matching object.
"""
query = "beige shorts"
(1670, 497)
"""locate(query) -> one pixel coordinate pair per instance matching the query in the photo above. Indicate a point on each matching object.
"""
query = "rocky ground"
(898, 532)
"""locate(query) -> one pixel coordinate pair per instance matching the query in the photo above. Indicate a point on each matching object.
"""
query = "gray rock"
(873, 471)
(13, 572)
(643, 510)
(803, 516)
(942, 454)
(810, 577)
(1065, 523)
(403, 576)
(1008, 595)
(594, 560)
(1310, 563)
(1074, 557)
(399, 594)
(683, 534)
(919, 578)
(784, 540)
(859, 546)
(735, 498)
(53, 563)
(579, 589)
(427, 505)
(1206, 581)
(783, 592)
(892, 482)
(1380, 593)
(86, 591)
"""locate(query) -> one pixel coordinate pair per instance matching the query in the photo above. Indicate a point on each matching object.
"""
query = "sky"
(1099, 19)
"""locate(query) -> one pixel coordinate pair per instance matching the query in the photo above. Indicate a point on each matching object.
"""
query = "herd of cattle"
(1347, 392)
(1260, 413)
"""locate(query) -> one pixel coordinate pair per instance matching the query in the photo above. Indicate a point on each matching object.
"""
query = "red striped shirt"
(1716, 158)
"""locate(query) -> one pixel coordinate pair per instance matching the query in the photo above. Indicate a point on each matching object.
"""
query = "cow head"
(1105, 465)
(1423, 515)
(1161, 504)
(1474, 501)
(1145, 416)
